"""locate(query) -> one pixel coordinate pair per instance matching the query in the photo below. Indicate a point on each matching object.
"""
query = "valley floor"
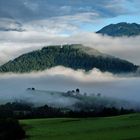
(125, 127)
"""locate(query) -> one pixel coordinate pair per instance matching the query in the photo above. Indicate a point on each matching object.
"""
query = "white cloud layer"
(13, 43)
(64, 79)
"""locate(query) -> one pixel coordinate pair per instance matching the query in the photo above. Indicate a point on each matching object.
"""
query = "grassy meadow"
(125, 127)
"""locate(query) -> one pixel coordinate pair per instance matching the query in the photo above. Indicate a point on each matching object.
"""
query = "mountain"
(121, 29)
(74, 56)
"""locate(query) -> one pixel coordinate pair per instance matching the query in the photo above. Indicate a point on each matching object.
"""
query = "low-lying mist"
(13, 44)
(116, 90)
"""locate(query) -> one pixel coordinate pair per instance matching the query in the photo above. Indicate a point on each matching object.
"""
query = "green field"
(125, 127)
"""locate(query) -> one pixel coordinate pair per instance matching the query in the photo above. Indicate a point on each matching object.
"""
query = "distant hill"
(73, 56)
(121, 29)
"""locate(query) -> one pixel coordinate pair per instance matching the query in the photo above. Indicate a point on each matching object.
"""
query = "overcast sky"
(87, 15)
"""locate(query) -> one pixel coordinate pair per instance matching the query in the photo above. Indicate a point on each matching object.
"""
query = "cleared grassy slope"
(125, 127)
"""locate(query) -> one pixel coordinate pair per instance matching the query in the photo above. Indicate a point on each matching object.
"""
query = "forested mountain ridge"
(73, 56)
(121, 29)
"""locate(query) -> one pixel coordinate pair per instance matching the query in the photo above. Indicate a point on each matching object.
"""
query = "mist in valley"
(120, 91)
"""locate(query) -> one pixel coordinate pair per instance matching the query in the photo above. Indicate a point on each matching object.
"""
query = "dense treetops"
(73, 56)
(121, 29)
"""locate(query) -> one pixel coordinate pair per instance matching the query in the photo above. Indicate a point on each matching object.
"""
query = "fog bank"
(13, 86)
(13, 44)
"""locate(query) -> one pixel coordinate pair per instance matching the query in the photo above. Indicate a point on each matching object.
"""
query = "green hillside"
(121, 29)
(71, 56)
(125, 127)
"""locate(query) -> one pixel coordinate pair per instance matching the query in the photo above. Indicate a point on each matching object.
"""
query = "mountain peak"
(121, 29)
(80, 48)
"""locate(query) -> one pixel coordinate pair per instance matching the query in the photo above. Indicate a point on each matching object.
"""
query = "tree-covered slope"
(121, 29)
(72, 56)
